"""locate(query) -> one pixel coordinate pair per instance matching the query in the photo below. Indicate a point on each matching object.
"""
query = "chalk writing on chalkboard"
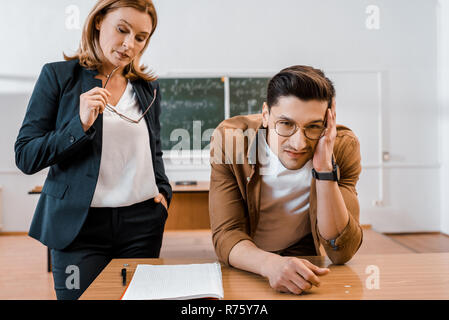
(191, 109)
(247, 95)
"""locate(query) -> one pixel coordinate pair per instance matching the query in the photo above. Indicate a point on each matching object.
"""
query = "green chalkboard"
(247, 95)
(190, 106)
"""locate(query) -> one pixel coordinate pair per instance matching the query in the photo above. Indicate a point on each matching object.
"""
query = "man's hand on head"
(322, 158)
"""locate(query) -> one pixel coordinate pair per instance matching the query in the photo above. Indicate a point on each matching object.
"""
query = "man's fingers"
(334, 106)
(282, 289)
(331, 125)
(329, 119)
(333, 117)
(309, 275)
(291, 287)
(316, 269)
(301, 283)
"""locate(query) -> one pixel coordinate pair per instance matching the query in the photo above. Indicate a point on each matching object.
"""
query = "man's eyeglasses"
(124, 117)
(287, 128)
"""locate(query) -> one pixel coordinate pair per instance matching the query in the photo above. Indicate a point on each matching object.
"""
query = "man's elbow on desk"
(342, 253)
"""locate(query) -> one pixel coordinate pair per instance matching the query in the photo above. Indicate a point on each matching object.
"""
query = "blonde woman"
(94, 120)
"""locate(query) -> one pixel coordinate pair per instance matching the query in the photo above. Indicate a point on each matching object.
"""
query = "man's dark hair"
(304, 82)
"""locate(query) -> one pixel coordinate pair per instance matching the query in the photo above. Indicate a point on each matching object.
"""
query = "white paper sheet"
(175, 282)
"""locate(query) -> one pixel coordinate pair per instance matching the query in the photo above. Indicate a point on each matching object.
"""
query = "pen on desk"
(124, 276)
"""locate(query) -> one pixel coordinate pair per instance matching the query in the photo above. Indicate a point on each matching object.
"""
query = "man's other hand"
(292, 275)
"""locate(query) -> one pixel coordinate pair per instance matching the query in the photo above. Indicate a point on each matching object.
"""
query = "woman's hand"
(161, 199)
(92, 103)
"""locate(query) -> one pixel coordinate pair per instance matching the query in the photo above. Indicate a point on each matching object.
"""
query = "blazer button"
(72, 139)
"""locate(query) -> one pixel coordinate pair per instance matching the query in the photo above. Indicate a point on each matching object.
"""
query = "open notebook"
(175, 282)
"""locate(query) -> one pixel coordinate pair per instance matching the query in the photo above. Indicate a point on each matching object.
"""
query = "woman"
(94, 120)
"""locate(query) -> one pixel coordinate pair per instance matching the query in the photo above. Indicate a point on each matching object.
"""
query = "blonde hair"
(89, 52)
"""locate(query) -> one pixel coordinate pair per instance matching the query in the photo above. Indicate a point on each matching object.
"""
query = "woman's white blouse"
(126, 170)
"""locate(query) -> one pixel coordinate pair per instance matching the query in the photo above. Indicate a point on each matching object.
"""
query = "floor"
(435, 242)
(23, 261)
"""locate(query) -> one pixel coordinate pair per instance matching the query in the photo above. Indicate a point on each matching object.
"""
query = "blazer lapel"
(89, 82)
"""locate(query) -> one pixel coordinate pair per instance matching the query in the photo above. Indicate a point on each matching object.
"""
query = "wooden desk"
(189, 208)
(36, 190)
(402, 276)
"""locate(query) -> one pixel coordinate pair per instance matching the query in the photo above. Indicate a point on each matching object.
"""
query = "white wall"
(261, 36)
(443, 68)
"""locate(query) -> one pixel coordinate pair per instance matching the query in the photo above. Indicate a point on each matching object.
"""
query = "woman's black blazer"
(52, 136)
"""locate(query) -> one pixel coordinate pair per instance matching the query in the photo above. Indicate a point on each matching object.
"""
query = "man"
(283, 183)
